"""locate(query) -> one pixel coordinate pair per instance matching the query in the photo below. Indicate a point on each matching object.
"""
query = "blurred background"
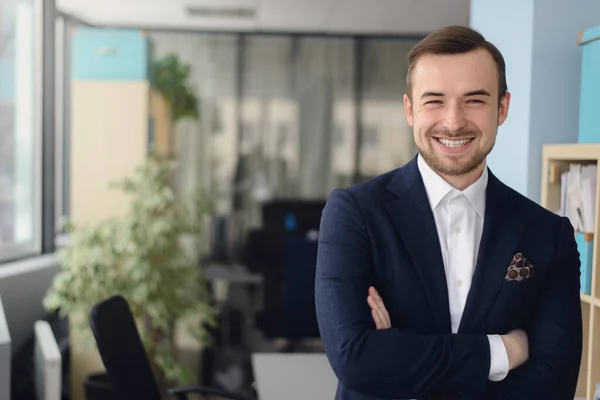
(228, 122)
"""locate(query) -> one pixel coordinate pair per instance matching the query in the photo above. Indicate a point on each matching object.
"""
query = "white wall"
(556, 77)
(543, 73)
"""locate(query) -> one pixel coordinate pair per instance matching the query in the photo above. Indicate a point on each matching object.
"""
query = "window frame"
(43, 87)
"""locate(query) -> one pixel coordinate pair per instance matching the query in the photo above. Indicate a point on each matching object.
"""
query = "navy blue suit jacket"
(382, 233)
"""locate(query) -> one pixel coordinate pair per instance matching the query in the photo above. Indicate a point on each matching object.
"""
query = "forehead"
(455, 73)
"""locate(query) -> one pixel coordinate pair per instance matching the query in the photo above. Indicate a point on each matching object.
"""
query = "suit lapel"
(502, 230)
(413, 219)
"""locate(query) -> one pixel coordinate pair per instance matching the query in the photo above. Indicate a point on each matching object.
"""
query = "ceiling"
(407, 17)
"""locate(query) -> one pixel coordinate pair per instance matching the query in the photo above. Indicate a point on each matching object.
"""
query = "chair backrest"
(122, 351)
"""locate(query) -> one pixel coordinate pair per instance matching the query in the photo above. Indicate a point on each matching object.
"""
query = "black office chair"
(125, 358)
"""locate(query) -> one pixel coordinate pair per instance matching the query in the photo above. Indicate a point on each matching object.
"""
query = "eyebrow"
(432, 94)
(480, 92)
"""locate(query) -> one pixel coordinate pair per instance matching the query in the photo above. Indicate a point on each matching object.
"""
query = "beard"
(451, 166)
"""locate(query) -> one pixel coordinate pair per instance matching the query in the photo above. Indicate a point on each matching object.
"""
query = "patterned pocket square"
(519, 269)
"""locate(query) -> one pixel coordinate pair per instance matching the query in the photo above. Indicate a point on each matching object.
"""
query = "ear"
(503, 108)
(408, 109)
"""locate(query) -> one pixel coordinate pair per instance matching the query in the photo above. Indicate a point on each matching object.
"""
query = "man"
(436, 280)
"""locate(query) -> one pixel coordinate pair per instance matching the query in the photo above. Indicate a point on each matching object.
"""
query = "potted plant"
(141, 257)
(171, 79)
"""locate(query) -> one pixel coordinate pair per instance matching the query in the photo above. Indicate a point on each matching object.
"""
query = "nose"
(454, 118)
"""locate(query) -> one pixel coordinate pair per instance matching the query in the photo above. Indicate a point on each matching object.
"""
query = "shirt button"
(458, 283)
(457, 230)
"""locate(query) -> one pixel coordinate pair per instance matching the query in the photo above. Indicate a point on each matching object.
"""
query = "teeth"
(454, 143)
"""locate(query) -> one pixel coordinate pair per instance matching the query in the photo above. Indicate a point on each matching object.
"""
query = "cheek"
(484, 122)
(424, 123)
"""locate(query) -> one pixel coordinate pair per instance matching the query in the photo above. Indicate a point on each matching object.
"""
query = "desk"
(239, 297)
(222, 277)
(233, 274)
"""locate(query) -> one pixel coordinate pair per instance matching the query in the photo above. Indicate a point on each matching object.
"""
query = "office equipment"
(125, 358)
(47, 363)
(293, 376)
(284, 251)
(587, 156)
(589, 101)
(299, 313)
(238, 296)
(292, 215)
(5, 356)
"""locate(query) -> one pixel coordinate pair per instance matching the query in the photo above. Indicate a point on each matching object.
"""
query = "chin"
(453, 165)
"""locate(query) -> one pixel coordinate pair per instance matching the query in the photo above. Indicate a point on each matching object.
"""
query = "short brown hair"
(455, 40)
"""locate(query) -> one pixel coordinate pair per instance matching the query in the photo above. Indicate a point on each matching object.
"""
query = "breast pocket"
(515, 304)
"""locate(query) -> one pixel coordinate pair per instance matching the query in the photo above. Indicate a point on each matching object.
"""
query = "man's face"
(454, 110)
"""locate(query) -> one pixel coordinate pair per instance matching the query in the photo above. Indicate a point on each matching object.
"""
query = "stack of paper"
(578, 196)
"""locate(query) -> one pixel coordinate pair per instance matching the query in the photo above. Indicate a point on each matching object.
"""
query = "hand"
(378, 310)
(517, 348)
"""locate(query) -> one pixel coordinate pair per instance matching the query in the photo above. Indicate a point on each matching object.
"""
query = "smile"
(454, 143)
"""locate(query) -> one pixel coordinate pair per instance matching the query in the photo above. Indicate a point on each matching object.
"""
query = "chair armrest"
(182, 393)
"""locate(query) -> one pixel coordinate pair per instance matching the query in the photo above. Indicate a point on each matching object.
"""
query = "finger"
(381, 305)
(376, 295)
(377, 319)
(381, 314)
(372, 291)
(378, 304)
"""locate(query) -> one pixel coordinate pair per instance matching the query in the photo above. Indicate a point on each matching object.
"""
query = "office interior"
(227, 124)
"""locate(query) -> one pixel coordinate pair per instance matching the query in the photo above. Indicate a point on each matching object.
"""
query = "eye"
(433, 102)
(475, 101)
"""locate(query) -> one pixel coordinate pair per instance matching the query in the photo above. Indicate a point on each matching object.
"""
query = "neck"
(461, 182)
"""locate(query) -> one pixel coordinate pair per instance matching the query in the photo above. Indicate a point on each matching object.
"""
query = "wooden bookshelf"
(555, 160)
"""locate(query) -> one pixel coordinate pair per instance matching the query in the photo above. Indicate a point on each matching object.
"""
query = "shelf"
(590, 300)
(556, 158)
(572, 151)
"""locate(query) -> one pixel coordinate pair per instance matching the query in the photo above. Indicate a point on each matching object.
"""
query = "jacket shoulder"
(369, 190)
(534, 211)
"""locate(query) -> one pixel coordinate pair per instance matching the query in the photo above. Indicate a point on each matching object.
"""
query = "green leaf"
(171, 79)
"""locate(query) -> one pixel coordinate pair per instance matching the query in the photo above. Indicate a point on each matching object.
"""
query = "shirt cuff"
(498, 359)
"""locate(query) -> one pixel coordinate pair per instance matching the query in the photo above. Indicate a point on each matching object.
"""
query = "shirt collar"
(437, 188)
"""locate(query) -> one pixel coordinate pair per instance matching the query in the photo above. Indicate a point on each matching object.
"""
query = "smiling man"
(436, 280)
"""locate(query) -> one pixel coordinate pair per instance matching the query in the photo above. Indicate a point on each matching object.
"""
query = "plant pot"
(97, 386)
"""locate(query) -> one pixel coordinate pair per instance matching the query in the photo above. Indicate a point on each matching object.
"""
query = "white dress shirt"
(459, 220)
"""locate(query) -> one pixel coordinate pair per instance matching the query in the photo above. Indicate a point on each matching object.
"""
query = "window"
(248, 139)
(370, 137)
(20, 127)
(288, 110)
(387, 139)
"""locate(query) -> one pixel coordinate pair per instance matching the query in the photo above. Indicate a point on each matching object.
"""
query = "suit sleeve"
(382, 363)
(554, 335)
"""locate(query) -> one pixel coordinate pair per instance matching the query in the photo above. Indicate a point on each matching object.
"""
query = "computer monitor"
(293, 376)
(47, 363)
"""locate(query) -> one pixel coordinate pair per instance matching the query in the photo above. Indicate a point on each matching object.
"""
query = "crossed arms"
(390, 363)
